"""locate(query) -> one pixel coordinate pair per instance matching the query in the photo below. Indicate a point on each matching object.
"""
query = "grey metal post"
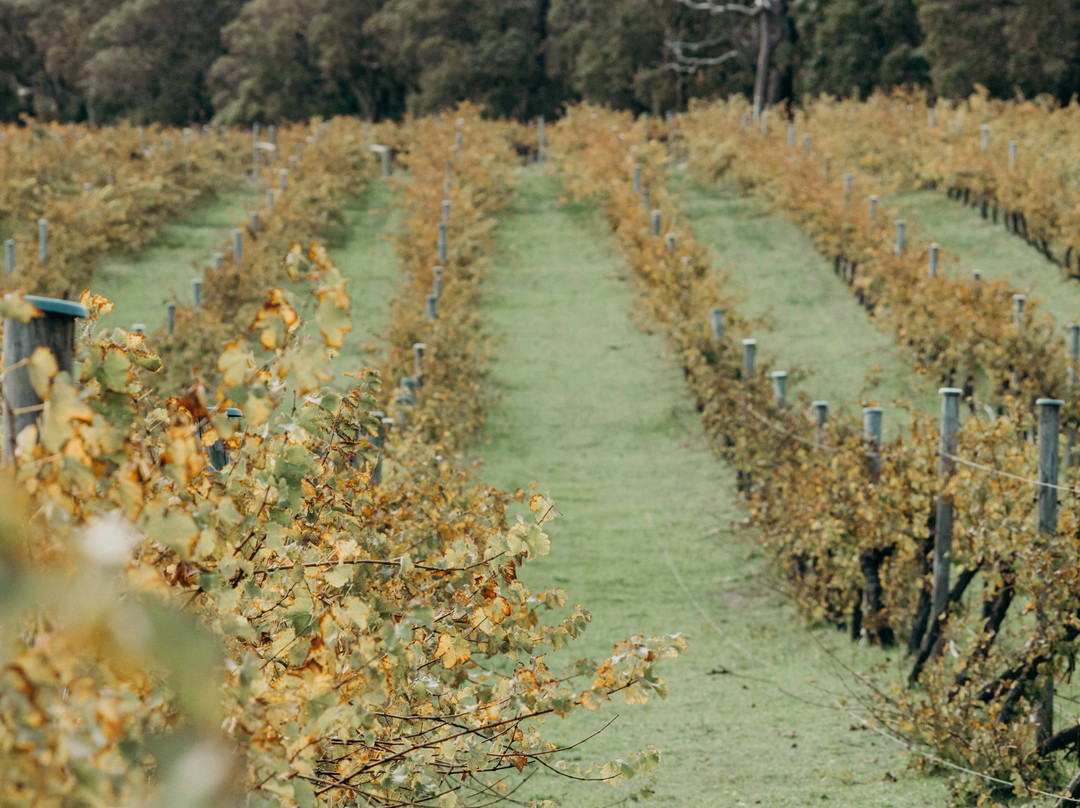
(873, 209)
(749, 349)
(170, 317)
(943, 524)
(238, 245)
(378, 442)
(1074, 357)
(849, 179)
(441, 244)
(976, 276)
(270, 198)
(872, 434)
(656, 223)
(1049, 424)
(387, 164)
(646, 198)
(294, 161)
(283, 180)
(254, 217)
(9, 255)
(219, 260)
(827, 167)
(446, 210)
(670, 238)
(931, 116)
(271, 134)
(933, 260)
(901, 228)
(985, 141)
(1013, 145)
(187, 138)
(807, 145)
(540, 140)
(255, 151)
(432, 307)
(764, 122)
(779, 380)
(1018, 309)
(142, 138)
(645, 126)
(637, 178)
(43, 240)
(88, 188)
(717, 323)
(168, 145)
(196, 292)
(791, 135)
(437, 286)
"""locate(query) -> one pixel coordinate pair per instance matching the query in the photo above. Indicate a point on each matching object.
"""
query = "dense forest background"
(182, 61)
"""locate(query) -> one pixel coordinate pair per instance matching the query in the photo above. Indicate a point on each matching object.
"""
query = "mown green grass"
(980, 244)
(816, 323)
(141, 285)
(652, 541)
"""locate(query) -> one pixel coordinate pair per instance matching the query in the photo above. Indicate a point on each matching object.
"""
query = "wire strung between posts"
(1008, 474)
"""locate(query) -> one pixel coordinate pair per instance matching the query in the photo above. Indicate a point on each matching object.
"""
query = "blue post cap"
(950, 391)
(52, 305)
(1050, 402)
(234, 412)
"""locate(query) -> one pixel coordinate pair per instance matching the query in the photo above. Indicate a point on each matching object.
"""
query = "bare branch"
(688, 64)
(758, 7)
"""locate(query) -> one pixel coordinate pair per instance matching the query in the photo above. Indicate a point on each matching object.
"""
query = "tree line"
(182, 61)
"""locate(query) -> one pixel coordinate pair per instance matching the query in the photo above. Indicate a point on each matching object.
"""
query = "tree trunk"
(764, 59)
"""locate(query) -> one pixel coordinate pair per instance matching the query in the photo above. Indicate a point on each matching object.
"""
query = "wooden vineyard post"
(873, 210)
(196, 292)
(637, 178)
(441, 243)
(219, 260)
(791, 135)
(54, 330)
(437, 283)
(432, 308)
(1018, 310)
(540, 139)
(238, 245)
(1074, 359)
(821, 416)
(218, 454)
(43, 240)
(170, 317)
(901, 229)
(717, 314)
(779, 380)
(670, 242)
(984, 143)
(872, 435)
(9, 256)
(1012, 154)
(943, 525)
(749, 347)
(656, 223)
(933, 260)
(1049, 426)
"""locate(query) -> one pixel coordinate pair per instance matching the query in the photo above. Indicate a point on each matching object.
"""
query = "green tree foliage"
(858, 45)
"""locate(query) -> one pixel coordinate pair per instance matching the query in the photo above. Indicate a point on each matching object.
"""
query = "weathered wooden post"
(656, 222)
(670, 239)
(849, 179)
(791, 135)
(901, 228)
(283, 180)
(170, 317)
(1049, 425)
(441, 243)
(976, 276)
(378, 442)
(1018, 310)
(985, 141)
(446, 210)
(432, 308)
(1073, 344)
(717, 323)
(437, 285)
(196, 292)
(218, 454)
(807, 145)
(931, 117)
(637, 178)
(270, 199)
(933, 260)
(418, 362)
(872, 435)
(873, 210)
(540, 139)
(821, 416)
(9, 255)
(187, 137)
(749, 347)
(43, 240)
(255, 152)
(646, 198)
(88, 188)
(253, 216)
(826, 169)
(219, 260)
(1013, 145)
(238, 245)
(53, 330)
(779, 380)
(943, 523)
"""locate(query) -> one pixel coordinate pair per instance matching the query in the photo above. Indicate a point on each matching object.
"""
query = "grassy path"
(650, 542)
(817, 323)
(139, 286)
(986, 246)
